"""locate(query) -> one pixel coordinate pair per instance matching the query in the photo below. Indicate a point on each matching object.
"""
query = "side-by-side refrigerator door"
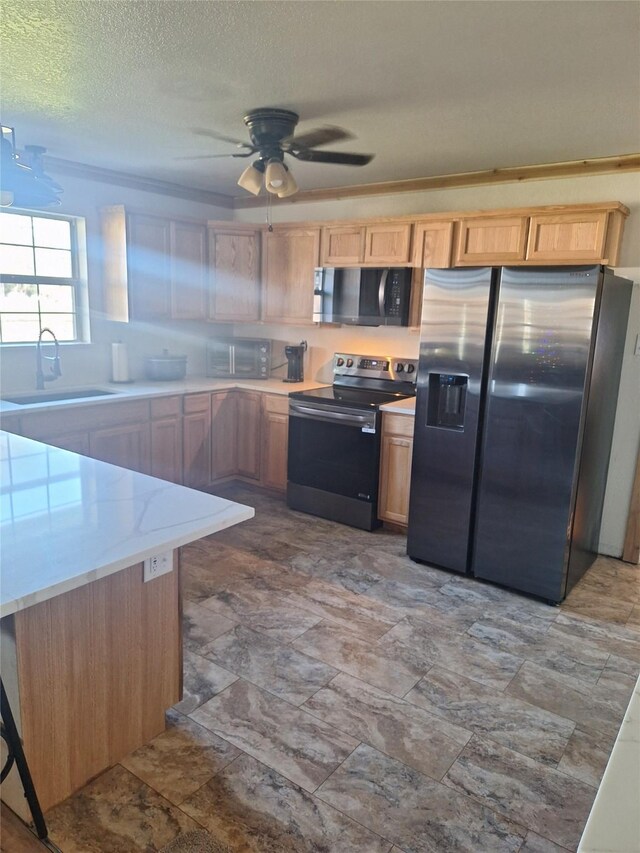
(539, 362)
(455, 317)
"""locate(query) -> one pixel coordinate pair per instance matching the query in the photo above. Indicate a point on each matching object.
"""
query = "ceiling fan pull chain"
(269, 206)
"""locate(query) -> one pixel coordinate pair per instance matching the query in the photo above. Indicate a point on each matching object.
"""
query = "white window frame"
(78, 279)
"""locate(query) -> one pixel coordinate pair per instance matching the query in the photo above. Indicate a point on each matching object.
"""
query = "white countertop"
(614, 822)
(401, 407)
(66, 520)
(140, 390)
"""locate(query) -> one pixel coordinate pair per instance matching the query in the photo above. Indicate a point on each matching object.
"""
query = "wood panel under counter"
(91, 652)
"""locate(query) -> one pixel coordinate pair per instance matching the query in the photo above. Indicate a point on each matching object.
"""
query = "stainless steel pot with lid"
(165, 367)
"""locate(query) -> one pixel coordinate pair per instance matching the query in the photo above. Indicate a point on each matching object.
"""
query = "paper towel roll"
(119, 363)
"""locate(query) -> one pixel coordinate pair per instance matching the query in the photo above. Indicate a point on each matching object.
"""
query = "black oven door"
(334, 450)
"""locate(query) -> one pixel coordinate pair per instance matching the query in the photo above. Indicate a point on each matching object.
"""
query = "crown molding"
(136, 182)
(515, 174)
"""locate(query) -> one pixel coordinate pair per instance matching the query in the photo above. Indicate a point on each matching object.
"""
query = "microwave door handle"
(232, 359)
(382, 292)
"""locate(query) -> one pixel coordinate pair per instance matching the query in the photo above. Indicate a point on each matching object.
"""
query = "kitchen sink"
(80, 394)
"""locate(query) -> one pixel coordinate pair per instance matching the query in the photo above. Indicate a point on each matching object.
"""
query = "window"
(40, 282)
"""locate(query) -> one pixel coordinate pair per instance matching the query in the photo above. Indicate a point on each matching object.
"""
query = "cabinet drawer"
(398, 424)
(196, 403)
(166, 407)
(276, 403)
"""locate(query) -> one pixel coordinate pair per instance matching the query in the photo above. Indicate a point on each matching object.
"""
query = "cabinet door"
(491, 240)
(77, 442)
(290, 258)
(196, 441)
(234, 276)
(248, 434)
(395, 467)
(148, 267)
(387, 245)
(432, 244)
(224, 428)
(166, 449)
(188, 270)
(127, 445)
(275, 439)
(567, 238)
(342, 245)
(395, 479)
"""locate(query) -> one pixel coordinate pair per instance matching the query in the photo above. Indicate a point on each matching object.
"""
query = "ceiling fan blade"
(342, 157)
(315, 137)
(202, 131)
(212, 156)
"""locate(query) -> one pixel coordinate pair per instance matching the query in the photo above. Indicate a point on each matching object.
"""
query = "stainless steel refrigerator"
(517, 390)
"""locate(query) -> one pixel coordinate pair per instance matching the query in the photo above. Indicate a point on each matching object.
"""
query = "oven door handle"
(325, 415)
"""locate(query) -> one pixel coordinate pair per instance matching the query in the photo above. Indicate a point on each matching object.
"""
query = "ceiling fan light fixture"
(251, 180)
(290, 186)
(275, 177)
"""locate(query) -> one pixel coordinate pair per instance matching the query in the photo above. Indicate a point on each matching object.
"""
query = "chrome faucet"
(41, 378)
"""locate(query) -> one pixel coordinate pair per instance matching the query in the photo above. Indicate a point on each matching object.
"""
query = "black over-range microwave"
(362, 296)
(248, 358)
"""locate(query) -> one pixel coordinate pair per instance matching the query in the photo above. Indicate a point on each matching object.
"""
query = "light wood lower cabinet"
(224, 420)
(166, 439)
(196, 441)
(128, 445)
(395, 468)
(248, 434)
(275, 441)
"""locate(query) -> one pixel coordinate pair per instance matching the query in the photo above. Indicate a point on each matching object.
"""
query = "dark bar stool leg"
(16, 754)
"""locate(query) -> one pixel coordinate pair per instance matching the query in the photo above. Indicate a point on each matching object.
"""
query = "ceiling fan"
(271, 133)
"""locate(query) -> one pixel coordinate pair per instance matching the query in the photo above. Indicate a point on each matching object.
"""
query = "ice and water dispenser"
(447, 399)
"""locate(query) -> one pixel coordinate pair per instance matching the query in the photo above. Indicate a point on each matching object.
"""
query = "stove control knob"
(399, 367)
(340, 362)
(411, 368)
(349, 362)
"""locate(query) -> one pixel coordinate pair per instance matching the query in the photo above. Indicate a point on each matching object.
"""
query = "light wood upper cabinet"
(342, 245)
(567, 237)
(188, 264)
(290, 256)
(491, 240)
(275, 440)
(234, 275)
(395, 468)
(148, 252)
(386, 244)
(432, 244)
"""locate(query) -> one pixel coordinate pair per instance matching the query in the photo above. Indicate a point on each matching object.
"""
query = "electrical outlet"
(159, 564)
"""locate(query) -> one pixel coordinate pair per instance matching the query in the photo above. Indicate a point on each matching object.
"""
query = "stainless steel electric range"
(334, 437)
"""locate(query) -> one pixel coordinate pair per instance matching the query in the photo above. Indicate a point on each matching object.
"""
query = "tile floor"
(340, 698)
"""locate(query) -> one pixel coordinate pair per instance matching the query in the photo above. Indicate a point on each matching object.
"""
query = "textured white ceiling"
(429, 87)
